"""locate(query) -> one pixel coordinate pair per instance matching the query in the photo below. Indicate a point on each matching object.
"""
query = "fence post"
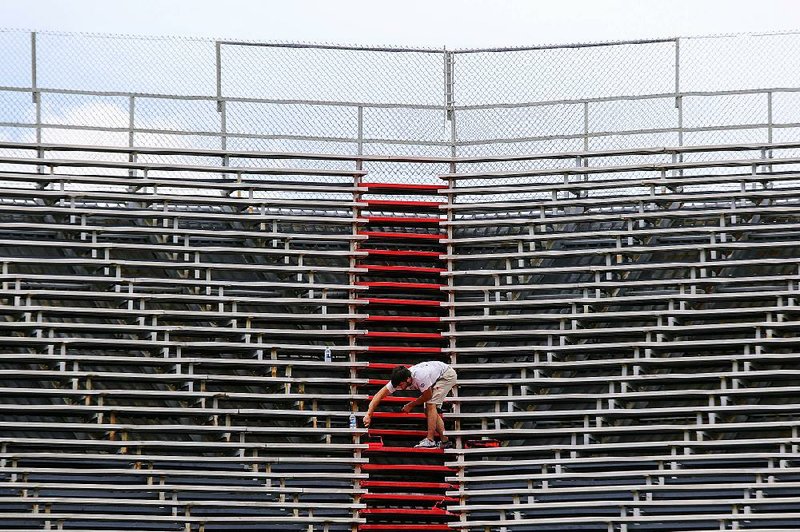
(449, 99)
(131, 126)
(218, 59)
(360, 126)
(34, 89)
(769, 129)
(677, 69)
(37, 101)
(585, 126)
(769, 117)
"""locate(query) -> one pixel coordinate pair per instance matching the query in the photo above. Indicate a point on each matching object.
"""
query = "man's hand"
(367, 420)
(408, 407)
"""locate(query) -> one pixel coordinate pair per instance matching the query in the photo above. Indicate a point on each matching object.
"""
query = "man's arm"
(383, 392)
(424, 397)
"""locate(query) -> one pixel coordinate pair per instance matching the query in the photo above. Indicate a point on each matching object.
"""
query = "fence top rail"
(397, 105)
(443, 50)
(239, 154)
(326, 46)
(389, 47)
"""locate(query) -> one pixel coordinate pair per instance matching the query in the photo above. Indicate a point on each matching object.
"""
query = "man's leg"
(440, 389)
(440, 427)
(433, 419)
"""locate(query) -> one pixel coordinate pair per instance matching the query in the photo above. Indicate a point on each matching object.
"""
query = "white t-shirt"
(423, 375)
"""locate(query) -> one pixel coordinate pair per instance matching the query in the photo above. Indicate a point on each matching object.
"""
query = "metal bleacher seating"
(183, 344)
(629, 339)
(164, 325)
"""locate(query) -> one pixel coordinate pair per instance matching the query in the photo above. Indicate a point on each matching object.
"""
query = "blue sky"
(436, 23)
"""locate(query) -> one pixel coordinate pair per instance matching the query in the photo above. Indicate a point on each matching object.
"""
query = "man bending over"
(434, 380)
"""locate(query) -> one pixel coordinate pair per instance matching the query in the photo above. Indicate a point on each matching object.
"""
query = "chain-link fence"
(201, 94)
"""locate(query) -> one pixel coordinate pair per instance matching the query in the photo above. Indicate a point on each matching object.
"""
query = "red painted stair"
(403, 204)
(402, 220)
(401, 527)
(402, 269)
(399, 234)
(412, 450)
(403, 334)
(391, 319)
(401, 244)
(397, 484)
(402, 285)
(393, 301)
(402, 253)
(406, 511)
(411, 434)
(403, 349)
(407, 497)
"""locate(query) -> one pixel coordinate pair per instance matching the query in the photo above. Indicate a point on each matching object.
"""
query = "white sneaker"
(426, 444)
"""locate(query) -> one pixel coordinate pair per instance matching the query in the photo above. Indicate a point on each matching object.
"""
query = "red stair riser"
(406, 286)
(400, 220)
(406, 511)
(408, 485)
(401, 253)
(393, 334)
(409, 269)
(402, 349)
(406, 497)
(401, 527)
(402, 450)
(412, 236)
(421, 319)
(410, 302)
(397, 415)
(397, 432)
(403, 203)
(408, 467)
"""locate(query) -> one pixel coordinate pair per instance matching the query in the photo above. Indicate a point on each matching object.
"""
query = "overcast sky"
(429, 23)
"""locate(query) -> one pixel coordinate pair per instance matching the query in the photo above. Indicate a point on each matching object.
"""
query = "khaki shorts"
(442, 386)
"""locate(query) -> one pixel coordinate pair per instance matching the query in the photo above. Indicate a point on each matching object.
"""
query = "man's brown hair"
(400, 374)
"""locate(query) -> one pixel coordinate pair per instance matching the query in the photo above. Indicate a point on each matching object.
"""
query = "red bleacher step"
(403, 220)
(401, 285)
(406, 497)
(398, 234)
(394, 399)
(425, 512)
(417, 468)
(398, 432)
(391, 527)
(399, 334)
(402, 269)
(392, 301)
(381, 365)
(403, 349)
(401, 319)
(399, 484)
(380, 448)
(398, 415)
(403, 203)
(402, 253)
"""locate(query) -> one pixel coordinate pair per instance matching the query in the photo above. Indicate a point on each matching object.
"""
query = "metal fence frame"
(451, 141)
